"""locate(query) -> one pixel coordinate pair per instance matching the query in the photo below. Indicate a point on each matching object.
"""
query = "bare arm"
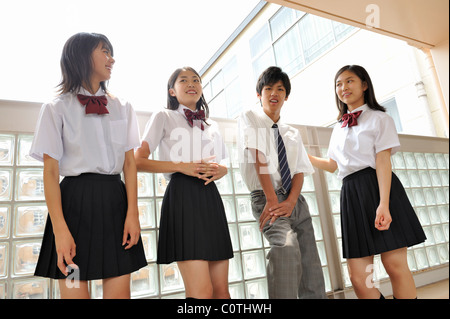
(65, 245)
(285, 208)
(132, 228)
(144, 164)
(203, 170)
(266, 184)
(384, 175)
(326, 164)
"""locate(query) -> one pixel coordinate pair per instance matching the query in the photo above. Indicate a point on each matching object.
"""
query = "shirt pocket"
(118, 131)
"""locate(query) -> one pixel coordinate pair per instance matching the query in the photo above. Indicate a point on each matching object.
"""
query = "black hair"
(271, 76)
(76, 61)
(172, 102)
(369, 93)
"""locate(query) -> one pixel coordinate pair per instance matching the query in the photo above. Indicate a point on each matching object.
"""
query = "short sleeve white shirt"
(179, 142)
(355, 148)
(85, 143)
(255, 132)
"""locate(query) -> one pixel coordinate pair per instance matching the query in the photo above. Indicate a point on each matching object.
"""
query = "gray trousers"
(294, 269)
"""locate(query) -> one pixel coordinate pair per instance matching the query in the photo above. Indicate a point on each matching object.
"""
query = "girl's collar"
(83, 91)
(363, 107)
(182, 107)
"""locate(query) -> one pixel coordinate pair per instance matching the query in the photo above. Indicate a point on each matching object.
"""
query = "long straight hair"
(172, 102)
(369, 93)
(76, 61)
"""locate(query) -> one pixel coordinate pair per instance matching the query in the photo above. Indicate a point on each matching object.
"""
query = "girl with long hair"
(193, 228)
(376, 215)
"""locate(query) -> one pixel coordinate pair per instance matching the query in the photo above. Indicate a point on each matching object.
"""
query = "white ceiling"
(422, 23)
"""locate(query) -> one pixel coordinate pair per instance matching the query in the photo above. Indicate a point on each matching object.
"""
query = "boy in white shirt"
(273, 170)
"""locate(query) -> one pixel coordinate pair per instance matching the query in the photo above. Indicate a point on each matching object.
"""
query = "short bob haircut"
(271, 76)
(76, 61)
(172, 102)
(369, 93)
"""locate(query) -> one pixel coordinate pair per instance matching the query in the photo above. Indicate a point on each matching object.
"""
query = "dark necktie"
(282, 160)
(198, 116)
(94, 104)
(350, 119)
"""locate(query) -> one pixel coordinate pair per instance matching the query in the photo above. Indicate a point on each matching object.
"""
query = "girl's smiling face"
(350, 89)
(102, 64)
(187, 89)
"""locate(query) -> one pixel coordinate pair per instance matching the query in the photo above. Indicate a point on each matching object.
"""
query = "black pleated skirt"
(360, 198)
(94, 207)
(193, 223)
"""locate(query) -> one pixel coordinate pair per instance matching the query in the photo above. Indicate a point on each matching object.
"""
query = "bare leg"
(218, 271)
(196, 278)
(73, 290)
(396, 264)
(117, 287)
(361, 274)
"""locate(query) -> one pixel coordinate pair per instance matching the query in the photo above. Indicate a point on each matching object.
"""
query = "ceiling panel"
(422, 23)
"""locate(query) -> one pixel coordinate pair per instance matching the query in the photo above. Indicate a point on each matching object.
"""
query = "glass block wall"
(425, 177)
(23, 213)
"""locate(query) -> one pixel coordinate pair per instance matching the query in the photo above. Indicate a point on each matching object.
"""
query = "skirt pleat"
(360, 198)
(193, 223)
(94, 208)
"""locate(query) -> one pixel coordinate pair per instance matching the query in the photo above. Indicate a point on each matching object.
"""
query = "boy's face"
(272, 98)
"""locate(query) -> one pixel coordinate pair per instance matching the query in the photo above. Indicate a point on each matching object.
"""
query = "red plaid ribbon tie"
(94, 104)
(350, 119)
(195, 116)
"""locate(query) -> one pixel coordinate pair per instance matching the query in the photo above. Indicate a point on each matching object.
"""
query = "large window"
(288, 53)
(281, 21)
(392, 110)
(316, 35)
(292, 39)
(223, 92)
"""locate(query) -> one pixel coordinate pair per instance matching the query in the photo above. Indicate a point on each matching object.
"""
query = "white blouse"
(179, 142)
(85, 143)
(355, 148)
(255, 132)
